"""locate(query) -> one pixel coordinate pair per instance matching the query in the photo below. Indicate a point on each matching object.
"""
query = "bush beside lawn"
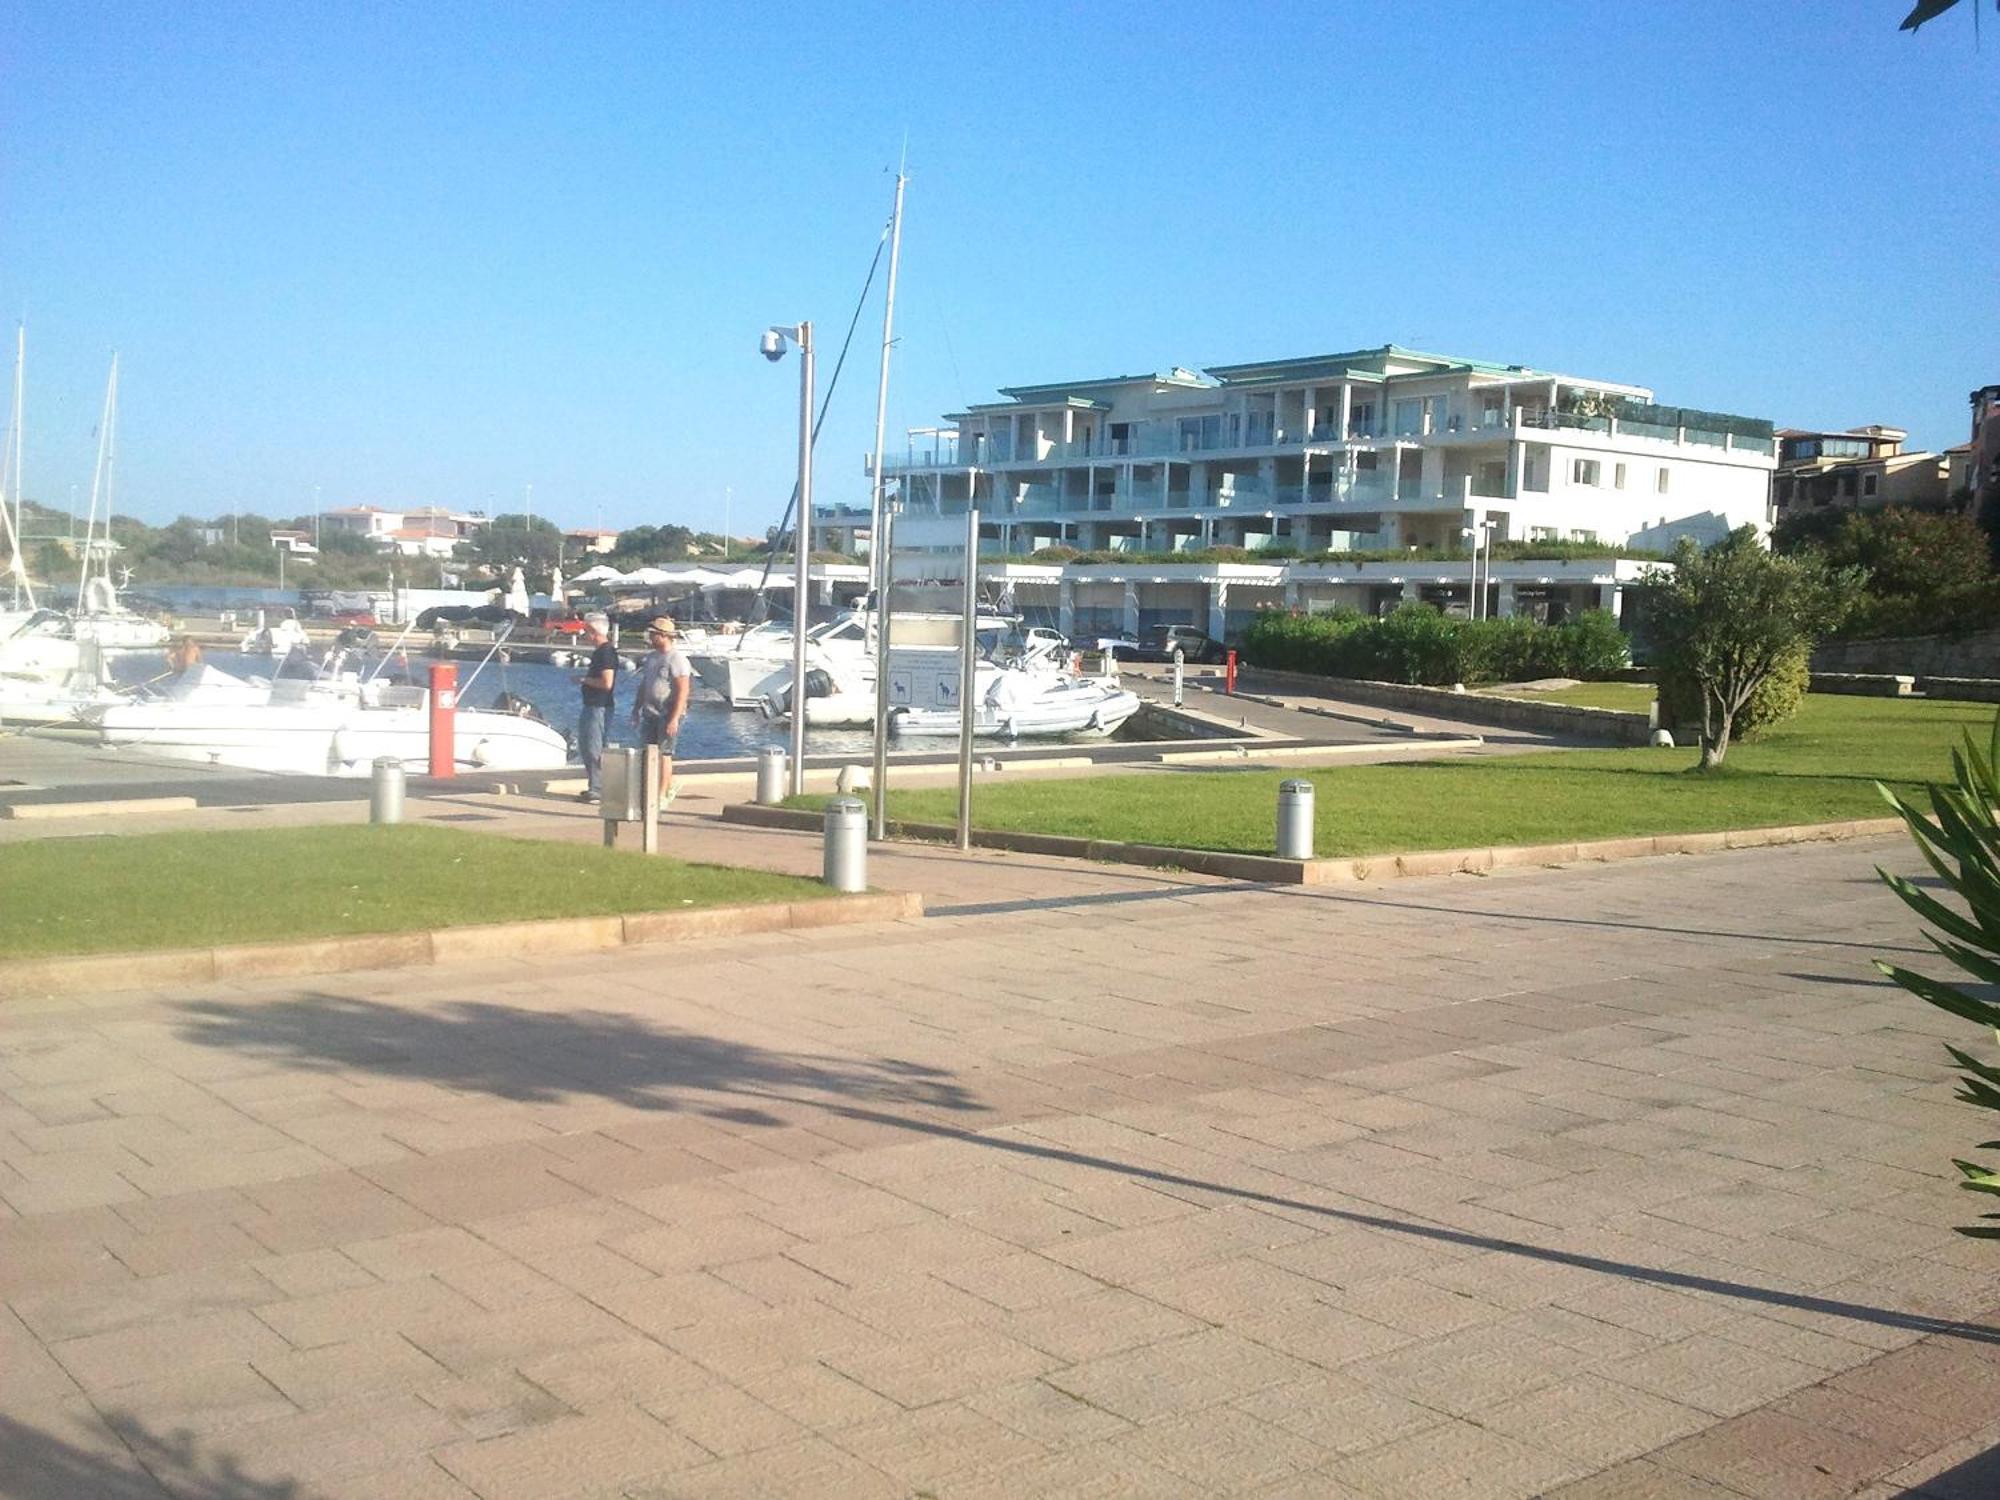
(1419, 645)
(1820, 766)
(198, 890)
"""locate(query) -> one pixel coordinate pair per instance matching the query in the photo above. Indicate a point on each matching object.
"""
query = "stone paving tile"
(1770, 1454)
(200, 1401)
(1103, 1471)
(1455, 1459)
(603, 1450)
(1713, 1375)
(809, 1466)
(949, 1364)
(1223, 1450)
(104, 1362)
(1186, 1374)
(924, 1449)
(358, 1367)
(1594, 1421)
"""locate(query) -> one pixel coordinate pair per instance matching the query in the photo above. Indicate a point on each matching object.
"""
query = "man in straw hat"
(665, 683)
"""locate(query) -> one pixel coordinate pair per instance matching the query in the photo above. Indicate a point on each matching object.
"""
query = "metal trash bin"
(385, 791)
(771, 775)
(845, 864)
(621, 781)
(1295, 820)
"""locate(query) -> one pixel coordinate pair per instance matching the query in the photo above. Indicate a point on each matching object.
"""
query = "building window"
(1660, 481)
(1847, 484)
(1490, 409)
(1583, 471)
(1618, 477)
(1409, 418)
(1589, 538)
(1868, 484)
(1541, 533)
(1365, 462)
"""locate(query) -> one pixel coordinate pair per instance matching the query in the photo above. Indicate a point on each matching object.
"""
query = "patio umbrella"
(517, 595)
(556, 601)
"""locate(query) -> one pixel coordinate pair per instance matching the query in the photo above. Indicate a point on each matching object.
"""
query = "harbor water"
(712, 730)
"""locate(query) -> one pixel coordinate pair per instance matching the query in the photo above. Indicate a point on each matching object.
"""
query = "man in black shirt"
(600, 687)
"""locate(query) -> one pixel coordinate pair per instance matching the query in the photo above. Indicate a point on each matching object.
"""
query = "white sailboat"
(99, 618)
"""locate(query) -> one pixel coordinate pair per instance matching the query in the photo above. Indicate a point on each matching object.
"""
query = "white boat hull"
(1082, 707)
(323, 739)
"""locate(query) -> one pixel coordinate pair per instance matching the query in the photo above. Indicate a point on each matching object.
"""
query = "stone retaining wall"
(1565, 719)
(1976, 655)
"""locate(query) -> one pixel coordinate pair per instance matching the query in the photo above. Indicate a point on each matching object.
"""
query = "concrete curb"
(1270, 870)
(121, 807)
(25, 979)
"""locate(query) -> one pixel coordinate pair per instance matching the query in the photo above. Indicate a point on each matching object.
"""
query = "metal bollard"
(1180, 675)
(771, 775)
(1295, 820)
(385, 792)
(845, 866)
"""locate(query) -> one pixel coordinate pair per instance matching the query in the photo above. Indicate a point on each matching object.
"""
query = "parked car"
(362, 617)
(1160, 643)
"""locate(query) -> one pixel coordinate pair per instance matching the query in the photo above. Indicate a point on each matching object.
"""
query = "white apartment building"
(428, 531)
(1371, 450)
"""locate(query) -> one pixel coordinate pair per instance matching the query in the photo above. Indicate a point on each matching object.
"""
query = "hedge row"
(1417, 644)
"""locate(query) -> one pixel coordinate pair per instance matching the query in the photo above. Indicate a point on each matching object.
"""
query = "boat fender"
(560, 659)
(343, 749)
(481, 755)
(98, 598)
(819, 683)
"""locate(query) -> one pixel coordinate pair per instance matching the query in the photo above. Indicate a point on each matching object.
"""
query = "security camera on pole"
(772, 347)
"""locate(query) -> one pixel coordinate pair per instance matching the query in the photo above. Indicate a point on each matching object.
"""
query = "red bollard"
(444, 703)
(1229, 672)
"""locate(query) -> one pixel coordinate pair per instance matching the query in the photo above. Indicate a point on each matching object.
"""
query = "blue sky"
(436, 253)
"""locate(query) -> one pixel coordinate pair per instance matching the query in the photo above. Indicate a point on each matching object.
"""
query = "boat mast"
(878, 558)
(100, 484)
(17, 565)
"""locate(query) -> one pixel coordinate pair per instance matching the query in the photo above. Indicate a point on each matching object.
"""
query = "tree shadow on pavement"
(543, 1056)
(37, 1465)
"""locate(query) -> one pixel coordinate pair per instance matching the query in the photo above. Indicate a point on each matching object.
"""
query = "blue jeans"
(591, 732)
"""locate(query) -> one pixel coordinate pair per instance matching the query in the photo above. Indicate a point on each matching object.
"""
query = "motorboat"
(1016, 702)
(338, 724)
(277, 638)
(840, 696)
(745, 670)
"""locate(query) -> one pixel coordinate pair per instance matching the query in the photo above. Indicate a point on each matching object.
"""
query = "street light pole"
(803, 536)
(772, 347)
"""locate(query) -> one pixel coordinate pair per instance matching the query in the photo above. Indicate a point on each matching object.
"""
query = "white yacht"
(334, 725)
(1016, 702)
(744, 670)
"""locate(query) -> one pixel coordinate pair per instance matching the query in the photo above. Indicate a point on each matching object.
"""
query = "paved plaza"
(1607, 1181)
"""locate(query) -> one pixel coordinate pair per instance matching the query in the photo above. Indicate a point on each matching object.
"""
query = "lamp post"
(772, 346)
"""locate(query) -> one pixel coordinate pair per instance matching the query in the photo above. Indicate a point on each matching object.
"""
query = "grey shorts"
(653, 731)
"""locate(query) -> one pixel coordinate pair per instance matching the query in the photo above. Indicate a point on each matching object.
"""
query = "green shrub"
(1417, 644)
(1776, 699)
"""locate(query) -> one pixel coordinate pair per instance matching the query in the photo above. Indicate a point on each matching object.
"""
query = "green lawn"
(195, 890)
(1819, 767)
(1631, 697)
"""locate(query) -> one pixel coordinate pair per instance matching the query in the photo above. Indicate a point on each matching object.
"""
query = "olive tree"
(1724, 620)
